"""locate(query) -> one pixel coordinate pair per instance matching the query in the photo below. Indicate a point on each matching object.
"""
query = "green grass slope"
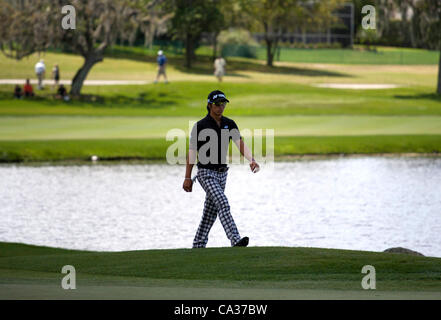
(156, 149)
(249, 272)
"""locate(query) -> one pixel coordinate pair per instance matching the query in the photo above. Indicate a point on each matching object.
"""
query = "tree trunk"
(413, 41)
(269, 52)
(439, 74)
(189, 51)
(215, 35)
(78, 80)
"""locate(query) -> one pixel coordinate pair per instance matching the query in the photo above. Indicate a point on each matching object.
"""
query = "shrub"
(367, 37)
(238, 43)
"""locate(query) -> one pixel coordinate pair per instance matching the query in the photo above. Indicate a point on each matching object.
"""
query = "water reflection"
(349, 203)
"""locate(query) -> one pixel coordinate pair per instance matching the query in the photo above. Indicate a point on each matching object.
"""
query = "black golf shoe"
(242, 242)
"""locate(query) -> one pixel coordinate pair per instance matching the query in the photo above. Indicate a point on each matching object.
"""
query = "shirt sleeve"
(234, 131)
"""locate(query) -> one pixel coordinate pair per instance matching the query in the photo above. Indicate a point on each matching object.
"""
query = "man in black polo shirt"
(210, 140)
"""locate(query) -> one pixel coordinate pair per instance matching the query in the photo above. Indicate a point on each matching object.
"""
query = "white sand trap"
(356, 86)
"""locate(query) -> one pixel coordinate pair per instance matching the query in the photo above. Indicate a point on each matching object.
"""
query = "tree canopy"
(29, 26)
(99, 23)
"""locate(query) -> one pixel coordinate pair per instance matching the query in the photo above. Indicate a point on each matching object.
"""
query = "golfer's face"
(218, 107)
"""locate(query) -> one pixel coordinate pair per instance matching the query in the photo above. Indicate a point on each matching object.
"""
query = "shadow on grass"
(6, 93)
(203, 65)
(422, 96)
(142, 100)
(121, 101)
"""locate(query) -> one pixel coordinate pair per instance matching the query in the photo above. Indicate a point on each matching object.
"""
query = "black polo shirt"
(212, 141)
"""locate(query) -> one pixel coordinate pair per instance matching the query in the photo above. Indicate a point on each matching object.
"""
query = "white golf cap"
(160, 52)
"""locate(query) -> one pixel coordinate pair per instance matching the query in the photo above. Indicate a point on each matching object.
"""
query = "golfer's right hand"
(188, 185)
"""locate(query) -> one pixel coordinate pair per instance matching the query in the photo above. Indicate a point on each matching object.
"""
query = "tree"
(320, 15)
(98, 24)
(230, 14)
(430, 26)
(191, 19)
(154, 19)
(425, 25)
(275, 17)
(17, 40)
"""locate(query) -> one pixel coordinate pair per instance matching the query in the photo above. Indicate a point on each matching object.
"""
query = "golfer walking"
(210, 139)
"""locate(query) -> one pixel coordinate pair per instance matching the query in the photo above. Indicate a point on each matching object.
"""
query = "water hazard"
(370, 203)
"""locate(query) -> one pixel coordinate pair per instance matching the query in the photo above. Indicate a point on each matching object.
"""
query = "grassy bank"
(247, 99)
(155, 149)
(359, 55)
(254, 272)
(80, 127)
(382, 56)
(128, 60)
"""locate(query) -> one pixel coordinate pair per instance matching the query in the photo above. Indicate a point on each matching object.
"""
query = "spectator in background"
(219, 68)
(62, 93)
(40, 71)
(28, 90)
(56, 75)
(17, 92)
(162, 61)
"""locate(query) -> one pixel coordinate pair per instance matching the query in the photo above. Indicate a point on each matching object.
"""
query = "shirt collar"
(209, 117)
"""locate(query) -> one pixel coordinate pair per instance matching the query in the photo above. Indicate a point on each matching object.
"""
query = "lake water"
(367, 203)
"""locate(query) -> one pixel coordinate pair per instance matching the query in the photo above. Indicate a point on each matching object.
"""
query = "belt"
(221, 169)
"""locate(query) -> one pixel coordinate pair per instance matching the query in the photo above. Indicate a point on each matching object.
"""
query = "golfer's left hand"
(254, 166)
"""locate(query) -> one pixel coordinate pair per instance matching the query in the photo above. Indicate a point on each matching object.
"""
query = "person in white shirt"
(40, 70)
(219, 68)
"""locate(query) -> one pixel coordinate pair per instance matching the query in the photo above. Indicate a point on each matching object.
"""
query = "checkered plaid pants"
(216, 203)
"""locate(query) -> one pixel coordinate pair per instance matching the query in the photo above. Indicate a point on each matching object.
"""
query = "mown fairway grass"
(131, 122)
(128, 121)
(131, 62)
(382, 56)
(139, 64)
(81, 127)
(250, 99)
(254, 272)
(379, 55)
(155, 149)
